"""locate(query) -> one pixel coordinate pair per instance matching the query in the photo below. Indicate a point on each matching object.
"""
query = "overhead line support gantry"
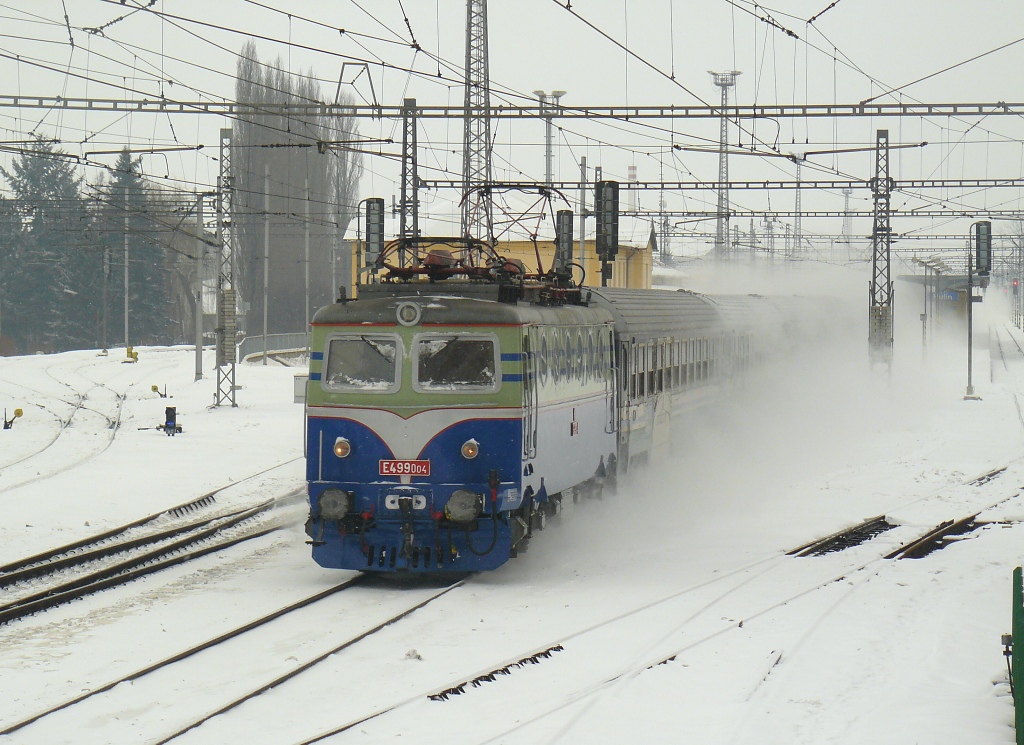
(506, 111)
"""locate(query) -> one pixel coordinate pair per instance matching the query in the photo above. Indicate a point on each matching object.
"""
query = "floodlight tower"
(847, 216)
(548, 102)
(725, 81)
(477, 214)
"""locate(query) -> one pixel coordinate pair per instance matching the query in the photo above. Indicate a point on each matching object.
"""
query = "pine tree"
(10, 247)
(47, 297)
(124, 212)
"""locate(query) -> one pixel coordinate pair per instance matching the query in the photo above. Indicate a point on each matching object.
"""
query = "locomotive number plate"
(405, 468)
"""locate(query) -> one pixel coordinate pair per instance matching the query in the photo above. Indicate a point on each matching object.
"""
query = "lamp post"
(936, 266)
(925, 265)
(548, 101)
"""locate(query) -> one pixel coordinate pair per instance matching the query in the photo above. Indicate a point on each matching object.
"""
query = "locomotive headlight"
(464, 506)
(334, 504)
(342, 447)
(470, 449)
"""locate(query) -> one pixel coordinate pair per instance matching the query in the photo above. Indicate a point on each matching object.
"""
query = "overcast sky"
(855, 49)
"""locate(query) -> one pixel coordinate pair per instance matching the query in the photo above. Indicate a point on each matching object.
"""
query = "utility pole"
(548, 102)
(200, 255)
(306, 237)
(126, 268)
(266, 253)
(725, 81)
(106, 279)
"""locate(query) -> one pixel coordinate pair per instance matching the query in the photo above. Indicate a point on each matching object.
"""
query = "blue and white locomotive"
(448, 417)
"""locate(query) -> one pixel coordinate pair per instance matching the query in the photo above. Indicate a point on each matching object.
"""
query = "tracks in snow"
(192, 665)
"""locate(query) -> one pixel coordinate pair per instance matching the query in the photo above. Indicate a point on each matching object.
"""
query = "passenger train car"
(447, 420)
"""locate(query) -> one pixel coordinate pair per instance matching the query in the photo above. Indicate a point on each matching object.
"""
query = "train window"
(543, 362)
(650, 389)
(557, 357)
(603, 354)
(571, 360)
(642, 370)
(659, 361)
(638, 373)
(587, 352)
(366, 363)
(675, 364)
(447, 363)
(691, 360)
(663, 364)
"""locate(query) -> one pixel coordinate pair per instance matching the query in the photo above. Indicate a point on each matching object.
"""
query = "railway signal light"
(1016, 289)
(563, 240)
(374, 229)
(983, 247)
(606, 210)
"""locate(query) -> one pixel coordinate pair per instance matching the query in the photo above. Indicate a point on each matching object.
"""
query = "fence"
(252, 346)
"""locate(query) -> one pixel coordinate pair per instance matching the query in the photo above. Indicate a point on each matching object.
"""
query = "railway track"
(66, 576)
(1006, 367)
(183, 655)
(307, 612)
(121, 554)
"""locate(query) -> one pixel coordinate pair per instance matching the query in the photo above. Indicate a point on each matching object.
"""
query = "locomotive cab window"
(446, 363)
(363, 362)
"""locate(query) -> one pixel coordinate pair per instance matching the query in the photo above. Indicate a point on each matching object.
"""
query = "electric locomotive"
(451, 409)
(429, 447)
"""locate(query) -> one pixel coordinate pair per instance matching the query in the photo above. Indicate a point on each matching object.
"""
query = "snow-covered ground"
(686, 566)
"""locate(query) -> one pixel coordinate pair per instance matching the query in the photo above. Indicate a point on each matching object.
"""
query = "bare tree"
(296, 150)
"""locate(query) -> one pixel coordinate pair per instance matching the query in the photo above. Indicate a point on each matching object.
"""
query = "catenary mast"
(477, 214)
